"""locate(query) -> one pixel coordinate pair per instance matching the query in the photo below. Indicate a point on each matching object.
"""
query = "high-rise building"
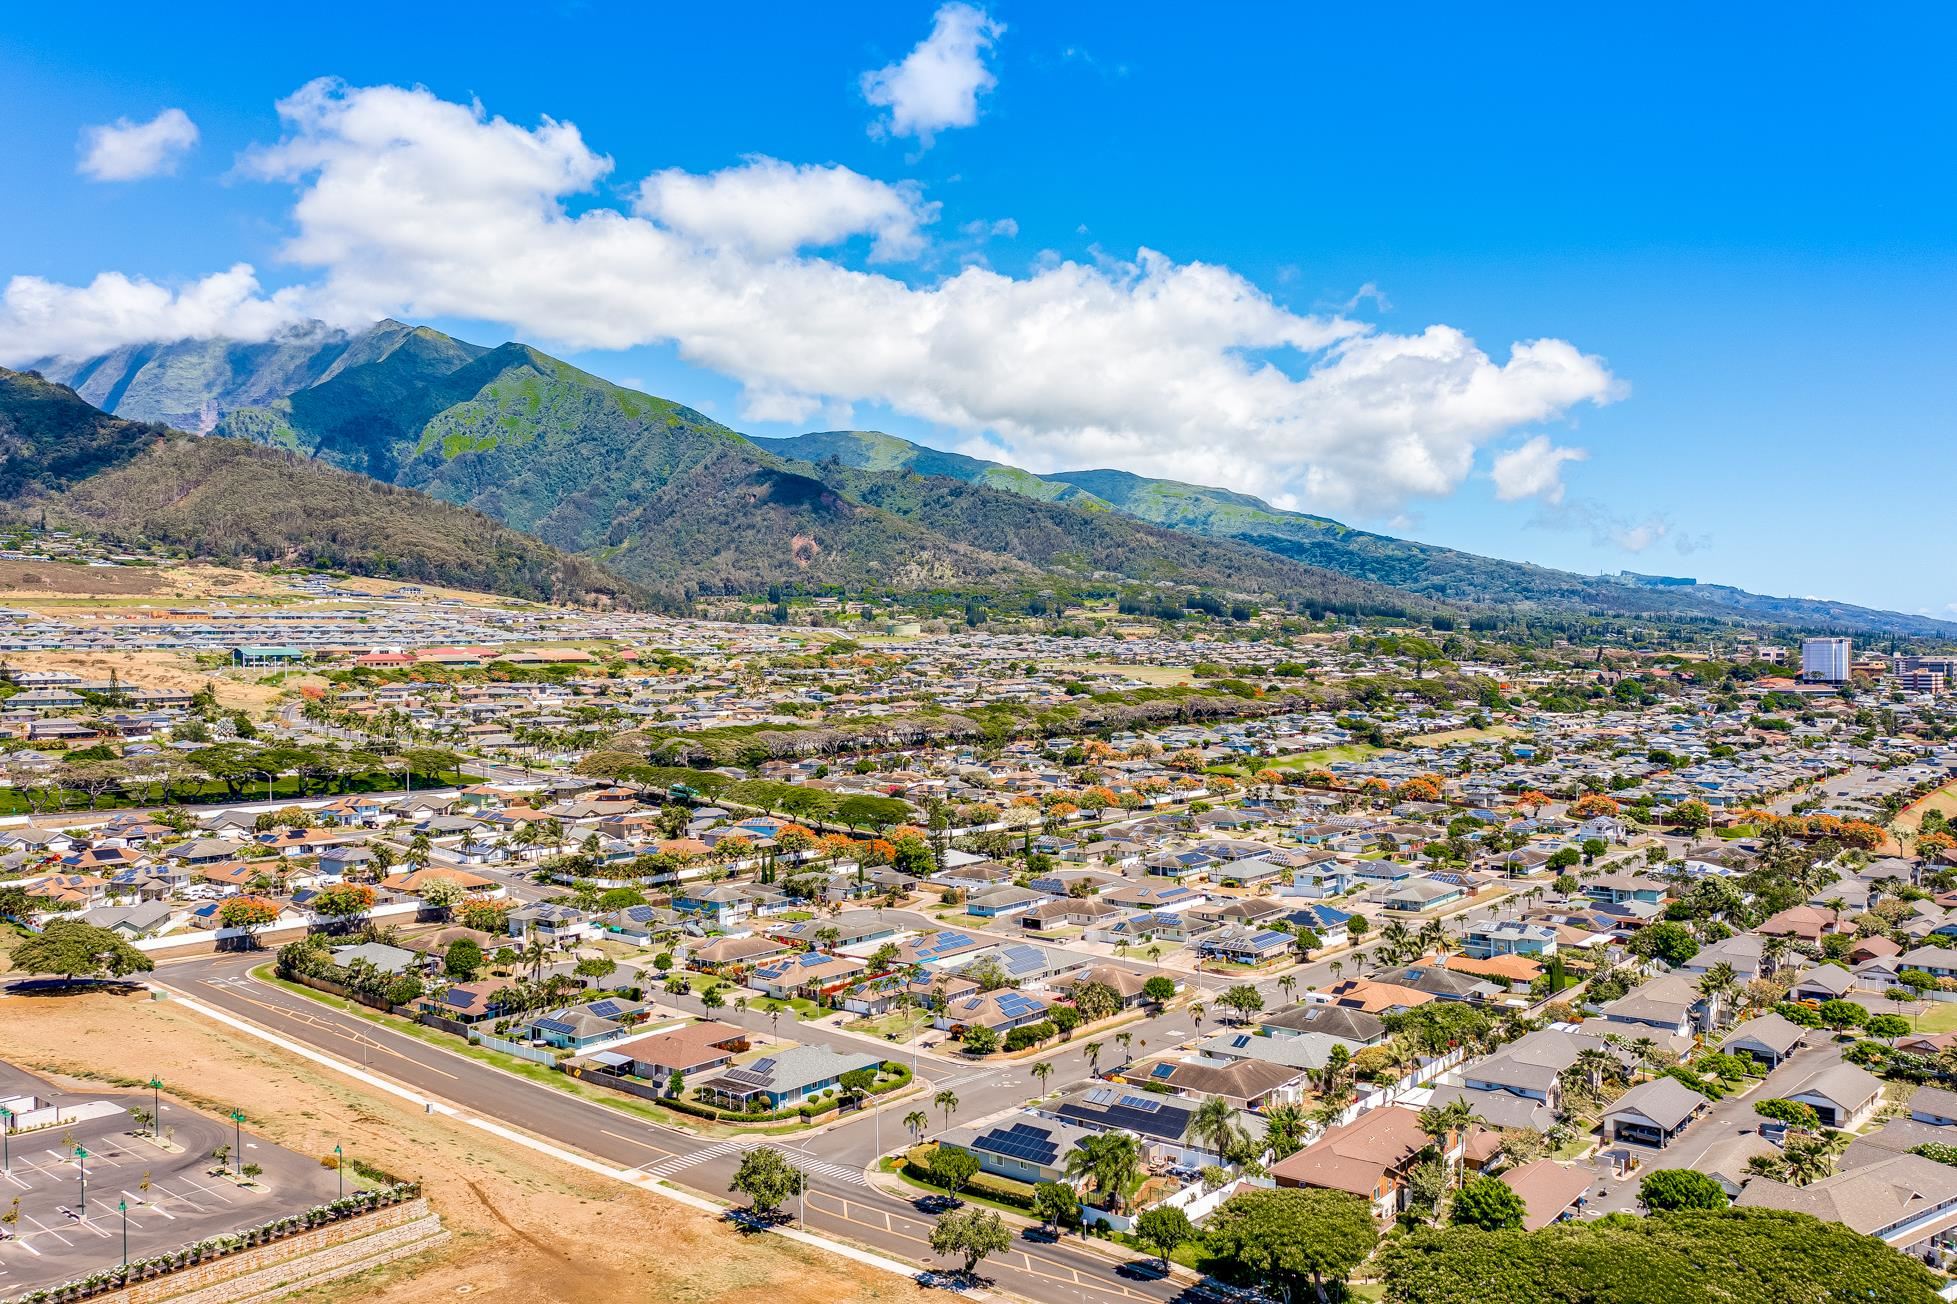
(1826, 660)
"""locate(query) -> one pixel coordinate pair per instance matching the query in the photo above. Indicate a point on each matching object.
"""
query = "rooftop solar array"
(1024, 1141)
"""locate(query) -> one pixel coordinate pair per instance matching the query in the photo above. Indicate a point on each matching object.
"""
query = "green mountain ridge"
(667, 497)
(672, 500)
(145, 483)
(1443, 575)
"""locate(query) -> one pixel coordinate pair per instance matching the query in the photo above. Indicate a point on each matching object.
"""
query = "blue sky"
(1739, 223)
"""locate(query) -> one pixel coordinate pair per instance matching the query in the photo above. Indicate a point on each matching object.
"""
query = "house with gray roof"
(786, 1078)
(1769, 1039)
(1653, 1113)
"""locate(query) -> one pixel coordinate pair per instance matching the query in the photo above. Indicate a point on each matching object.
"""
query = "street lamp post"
(81, 1162)
(238, 1139)
(6, 1140)
(123, 1207)
(340, 1167)
(156, 1107)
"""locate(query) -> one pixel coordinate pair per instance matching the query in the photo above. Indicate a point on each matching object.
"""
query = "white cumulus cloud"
(938, 84)
(125, 150)
(416, 207)
(40, 318)
(769, 208)
(1533, 469)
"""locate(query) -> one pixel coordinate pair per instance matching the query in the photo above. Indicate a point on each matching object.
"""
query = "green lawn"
(1941, 1017)
(906, 1024)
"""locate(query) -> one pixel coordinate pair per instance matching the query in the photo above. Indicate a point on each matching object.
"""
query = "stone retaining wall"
(269, 1272)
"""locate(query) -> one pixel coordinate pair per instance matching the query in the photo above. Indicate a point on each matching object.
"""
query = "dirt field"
(1943, 799)
(526, 1229)
(236, 689)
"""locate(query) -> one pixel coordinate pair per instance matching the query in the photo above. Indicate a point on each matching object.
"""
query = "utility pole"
(238, 1149)
(81, 1162)
(123, 1206)
(156, 1107)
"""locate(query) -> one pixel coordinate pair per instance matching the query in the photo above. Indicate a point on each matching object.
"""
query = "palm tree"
(1042, 1071)
(1093, 1052)
(1214, 1124)
(915, 1122)
(1111, 1159)
(1719, 984)
(1196, 1012)
(1286, 985)
(1643, 1048)
(947, 1100)
(1593, 1064)
(535, 953)
(1338, 967)
(1126, 1039)
(1284, 1129)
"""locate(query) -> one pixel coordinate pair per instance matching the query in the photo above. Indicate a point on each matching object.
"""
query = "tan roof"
(1547, 1188)
(1353, 1156)
(1866, 1199)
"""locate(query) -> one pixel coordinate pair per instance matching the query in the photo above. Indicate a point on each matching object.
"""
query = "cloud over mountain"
(413, 206)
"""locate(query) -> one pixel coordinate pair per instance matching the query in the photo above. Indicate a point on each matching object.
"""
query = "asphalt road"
(840, 1202)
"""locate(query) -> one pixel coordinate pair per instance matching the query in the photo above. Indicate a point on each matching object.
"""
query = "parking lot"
(172, 1198)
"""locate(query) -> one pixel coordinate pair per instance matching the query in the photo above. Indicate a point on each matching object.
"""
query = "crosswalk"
(816, 1168)
(681, 1162)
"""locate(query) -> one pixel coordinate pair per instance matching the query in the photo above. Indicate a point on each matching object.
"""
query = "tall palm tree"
(915, 1122)
(1126, 1039)
(1287, 985)
(947, 1100)
(1643, 1047)
(535, 953)
(1284, 1129)
(1111, 1160)
(1042, 1071)
(1214, 1124)
(1093, 1052)
(1196, 1012)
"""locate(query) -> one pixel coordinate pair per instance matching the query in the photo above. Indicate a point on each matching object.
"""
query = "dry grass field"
(526, 1229)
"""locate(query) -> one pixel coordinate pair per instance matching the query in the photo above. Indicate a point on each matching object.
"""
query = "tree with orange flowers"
(1533, 799)
(1934, 844)
(1592, 804)
(1420, 788)
(1861, 835)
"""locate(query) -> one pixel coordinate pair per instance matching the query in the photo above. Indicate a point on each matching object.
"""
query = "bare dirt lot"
(237, 690)
(526, 1230)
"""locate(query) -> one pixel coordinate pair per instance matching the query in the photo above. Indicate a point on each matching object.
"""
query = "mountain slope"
(667, 496)
(187, 383)
(145, 483)
(1442, 574)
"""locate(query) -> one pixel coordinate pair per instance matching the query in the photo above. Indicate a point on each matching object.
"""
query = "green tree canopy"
(971, 1232)
(1668, 1190)
(766, 1179)
(1488, 1203)
(72, 949)
(1288, 1237)
(1731, 1256)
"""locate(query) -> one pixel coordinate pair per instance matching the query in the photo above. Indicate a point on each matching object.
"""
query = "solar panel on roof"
(764, 1065)
(1162, 1070)
(746, 1077)
(1142, 1103)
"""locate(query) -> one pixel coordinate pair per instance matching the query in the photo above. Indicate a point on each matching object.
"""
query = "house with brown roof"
(695, 1048)
(1368, 1157)
(1372, 997)
(1550, 1191)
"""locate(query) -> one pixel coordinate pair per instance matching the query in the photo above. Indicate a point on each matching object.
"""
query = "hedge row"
(1005, 1190)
